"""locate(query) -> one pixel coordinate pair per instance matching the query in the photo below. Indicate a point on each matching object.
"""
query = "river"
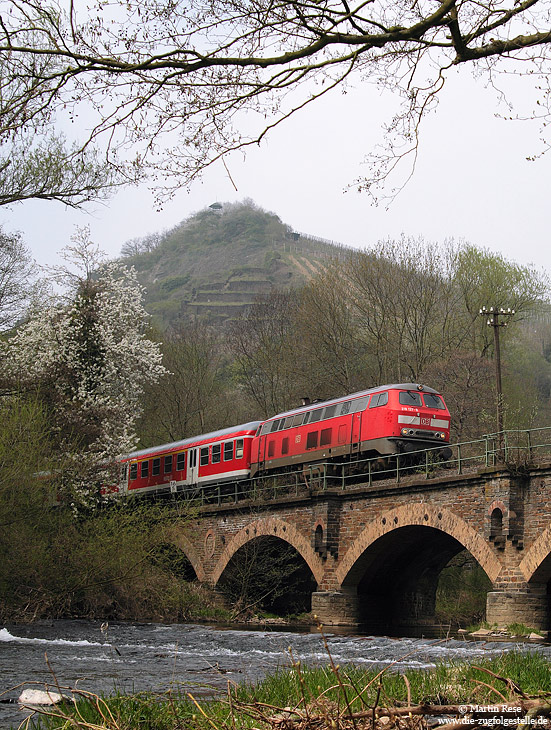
(132, 657)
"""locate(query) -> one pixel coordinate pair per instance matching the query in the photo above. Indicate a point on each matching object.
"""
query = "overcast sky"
(472, 182)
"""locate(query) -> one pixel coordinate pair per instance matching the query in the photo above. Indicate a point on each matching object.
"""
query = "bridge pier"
(529, 607)
(337, 608)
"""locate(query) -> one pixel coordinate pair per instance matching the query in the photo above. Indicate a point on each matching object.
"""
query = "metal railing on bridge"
(514, 450)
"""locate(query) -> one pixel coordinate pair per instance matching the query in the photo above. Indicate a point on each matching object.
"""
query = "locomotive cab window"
(145, 469)
(434, 401)
(288, 422)
(275, 425)
(204, 458)
(379, 399)
(156, 467)
(133, 470)
(359, 404)
(216, 451)
(266, 427)
(344, 408)
(410, 398)
(239, 449)
(228, 450)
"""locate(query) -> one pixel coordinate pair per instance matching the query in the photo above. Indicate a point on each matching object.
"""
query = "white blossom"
(91, 360)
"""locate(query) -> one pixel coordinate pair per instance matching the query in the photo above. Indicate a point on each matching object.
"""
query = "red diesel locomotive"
(383, 421)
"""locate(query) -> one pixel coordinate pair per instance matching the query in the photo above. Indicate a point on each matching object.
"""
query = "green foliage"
(174, 282)
(461, 593)
(53, 564)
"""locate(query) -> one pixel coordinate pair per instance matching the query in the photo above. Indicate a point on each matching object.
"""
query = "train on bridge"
(381, 422)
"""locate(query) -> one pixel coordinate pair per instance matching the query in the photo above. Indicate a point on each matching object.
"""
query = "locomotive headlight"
(404, 432)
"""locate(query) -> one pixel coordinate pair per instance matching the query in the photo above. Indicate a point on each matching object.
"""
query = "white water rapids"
(126, 657)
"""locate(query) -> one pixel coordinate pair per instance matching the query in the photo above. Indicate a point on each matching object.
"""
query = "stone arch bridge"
(376, 551)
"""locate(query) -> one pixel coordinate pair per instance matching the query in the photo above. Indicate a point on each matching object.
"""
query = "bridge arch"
(186, 546)
(392, 571)
(536, 563)
(270, 527)
(422, 515)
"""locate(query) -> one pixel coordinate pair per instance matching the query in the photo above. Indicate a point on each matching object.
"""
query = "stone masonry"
(376, 551)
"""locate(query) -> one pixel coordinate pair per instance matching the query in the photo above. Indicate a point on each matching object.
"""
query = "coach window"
(312, 440)
(133, 470)
(181, 461)
(228, 450)
(434, 401)
(298, 419)
(204, 459)
(156, 467)
(410, 398)
(167, 468)
(239, 449)
(145, 469)
(216, 450)
(359, 404)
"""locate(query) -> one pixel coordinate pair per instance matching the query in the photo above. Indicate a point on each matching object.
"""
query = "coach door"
(193, 466)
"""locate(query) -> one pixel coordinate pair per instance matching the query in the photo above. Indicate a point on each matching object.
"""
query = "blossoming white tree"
(87, 354)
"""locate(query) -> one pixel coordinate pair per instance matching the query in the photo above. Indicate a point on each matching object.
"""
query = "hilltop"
(215, 263)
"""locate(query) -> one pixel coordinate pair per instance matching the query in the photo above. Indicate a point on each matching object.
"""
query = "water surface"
(133, 657)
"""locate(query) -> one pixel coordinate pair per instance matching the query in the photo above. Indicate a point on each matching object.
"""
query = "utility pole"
(493, 315)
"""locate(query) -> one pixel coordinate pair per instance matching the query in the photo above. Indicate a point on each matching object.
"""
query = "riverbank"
(155, 658)
(511, 689)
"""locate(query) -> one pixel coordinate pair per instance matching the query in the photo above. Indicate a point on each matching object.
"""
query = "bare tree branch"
(164, 86)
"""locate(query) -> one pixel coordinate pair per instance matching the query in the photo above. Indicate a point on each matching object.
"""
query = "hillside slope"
(215, 263)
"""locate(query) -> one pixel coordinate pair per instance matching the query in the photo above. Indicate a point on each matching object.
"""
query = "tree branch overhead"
(149, 72)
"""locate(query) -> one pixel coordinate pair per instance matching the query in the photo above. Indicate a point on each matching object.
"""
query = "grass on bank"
(312, 698)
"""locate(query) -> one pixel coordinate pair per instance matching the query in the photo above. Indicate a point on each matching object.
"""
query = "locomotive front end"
(422, 421)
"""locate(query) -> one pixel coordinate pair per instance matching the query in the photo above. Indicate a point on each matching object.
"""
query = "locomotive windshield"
(410, 398)
(434, 401)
